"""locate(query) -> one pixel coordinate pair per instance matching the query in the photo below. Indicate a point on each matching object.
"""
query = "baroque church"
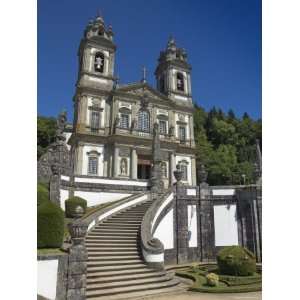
(113, 123)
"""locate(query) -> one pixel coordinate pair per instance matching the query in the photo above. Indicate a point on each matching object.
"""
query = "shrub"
(42, 193)
(212, 279)
(236, 261)
(50, 225)
(72, 203)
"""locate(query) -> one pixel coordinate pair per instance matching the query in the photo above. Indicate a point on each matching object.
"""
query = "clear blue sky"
(222, 39)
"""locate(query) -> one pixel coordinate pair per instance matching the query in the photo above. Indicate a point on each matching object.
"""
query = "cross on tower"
(144, 75)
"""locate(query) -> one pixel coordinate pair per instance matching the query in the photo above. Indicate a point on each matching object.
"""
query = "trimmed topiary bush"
(72, 203)
(212, 279)
(42, 193)
(236, 261)
(50, 225)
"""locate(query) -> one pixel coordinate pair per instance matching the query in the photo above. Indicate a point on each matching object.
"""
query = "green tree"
(46, 127)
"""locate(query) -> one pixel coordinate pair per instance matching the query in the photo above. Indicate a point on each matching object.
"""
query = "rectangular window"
(162, 127)
(124, 121)
(182, 134)
(183, 168)
(93, 165)
(95, 120)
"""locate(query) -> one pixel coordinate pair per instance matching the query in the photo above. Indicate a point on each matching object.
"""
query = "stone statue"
(61, 124)
(171, 131)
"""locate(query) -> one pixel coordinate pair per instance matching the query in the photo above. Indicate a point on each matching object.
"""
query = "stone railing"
(152, 248)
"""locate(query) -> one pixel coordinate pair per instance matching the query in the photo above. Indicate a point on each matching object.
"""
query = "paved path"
(206, 296)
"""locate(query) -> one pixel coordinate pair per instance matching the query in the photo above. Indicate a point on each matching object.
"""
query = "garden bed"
(227, 284)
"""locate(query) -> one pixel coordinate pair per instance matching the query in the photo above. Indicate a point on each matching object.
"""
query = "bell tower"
(96, 56)
(173, 73)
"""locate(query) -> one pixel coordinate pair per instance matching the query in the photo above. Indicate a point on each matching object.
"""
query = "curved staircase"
(115, 268)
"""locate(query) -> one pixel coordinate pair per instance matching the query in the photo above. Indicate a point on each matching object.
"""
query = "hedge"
(236, 261)
(72, 203)
(42, 193)
(50, 225)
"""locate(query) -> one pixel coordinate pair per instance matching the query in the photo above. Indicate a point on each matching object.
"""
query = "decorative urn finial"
(178, 174)
(202, 174)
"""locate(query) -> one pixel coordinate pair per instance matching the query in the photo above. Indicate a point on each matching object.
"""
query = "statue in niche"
(171, 131)
(123, 166)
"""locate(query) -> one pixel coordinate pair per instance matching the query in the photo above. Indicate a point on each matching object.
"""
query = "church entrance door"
(144, 167)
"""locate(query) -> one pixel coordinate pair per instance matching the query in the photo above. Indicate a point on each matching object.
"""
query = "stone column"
(171, 168)
(55, 184)
(77, 261)
(79, 159)
(133, 161)
(193, 169)
(116, 161)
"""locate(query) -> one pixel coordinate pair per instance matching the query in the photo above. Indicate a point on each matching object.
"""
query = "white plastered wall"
(64, 195)
(88, 148)
(226, 228)
(165, 231)
(179, 158)
(47, 278)
(96, 198)
(192, 225)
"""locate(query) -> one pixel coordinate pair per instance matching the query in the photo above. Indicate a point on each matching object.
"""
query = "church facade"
(113, 123)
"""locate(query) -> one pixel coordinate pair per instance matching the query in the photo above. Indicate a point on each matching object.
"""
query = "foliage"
(42, 193)
(50, 225)
(72, 203)
(226, 145)
(236, 261)
(212, 279)
(46, 127)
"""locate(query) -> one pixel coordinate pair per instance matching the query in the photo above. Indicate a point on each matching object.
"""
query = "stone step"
(127, 283)
(98, 236)
(95, 248)
(120, 290)
(95, 263)
(114, 258)
(115, 268)
(108, 241)
(93, 245)
(105, 253)
(120, 277)
(100, 229)
(175, 290)
(116, 234)
(124, 272)
(120, 225)
(109, 221)
(124, 216)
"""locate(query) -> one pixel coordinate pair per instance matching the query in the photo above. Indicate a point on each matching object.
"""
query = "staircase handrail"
(152, 248)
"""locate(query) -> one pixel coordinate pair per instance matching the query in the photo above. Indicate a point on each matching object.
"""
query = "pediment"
(143, 91)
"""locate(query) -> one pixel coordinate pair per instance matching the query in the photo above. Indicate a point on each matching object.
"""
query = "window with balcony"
(182, 134)
(163, 127)
(124, 120)
(144, 121)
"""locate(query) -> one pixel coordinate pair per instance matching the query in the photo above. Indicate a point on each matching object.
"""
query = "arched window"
(164, 170)
(144, 121)
(99, 62)
(180, 82)
(123, 167)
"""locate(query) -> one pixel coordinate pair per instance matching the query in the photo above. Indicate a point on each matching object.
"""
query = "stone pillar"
(171, 168)
(77, 262)
(116, 161)
(55, 185)
(193, 169)
(133, 161)
(79, 159)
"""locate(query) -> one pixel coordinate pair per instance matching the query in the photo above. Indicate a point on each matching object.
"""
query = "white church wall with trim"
(226, 227)
(165, 231)
(47, 278)
(192, 225)
(95, 198)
